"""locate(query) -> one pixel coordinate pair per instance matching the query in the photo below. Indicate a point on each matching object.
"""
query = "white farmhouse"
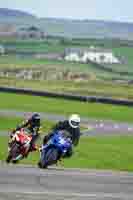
(97, 55)
(72, 57)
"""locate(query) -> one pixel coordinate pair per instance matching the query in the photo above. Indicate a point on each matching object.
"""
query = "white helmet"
(74, 120)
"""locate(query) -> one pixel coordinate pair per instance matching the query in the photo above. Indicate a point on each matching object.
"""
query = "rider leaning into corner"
(72, 127)
(32, 126)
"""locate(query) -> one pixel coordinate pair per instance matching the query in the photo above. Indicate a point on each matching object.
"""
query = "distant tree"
(33, 28)
(65, 41)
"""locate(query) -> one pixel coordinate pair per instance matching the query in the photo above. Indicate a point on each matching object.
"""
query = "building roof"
(90, 49)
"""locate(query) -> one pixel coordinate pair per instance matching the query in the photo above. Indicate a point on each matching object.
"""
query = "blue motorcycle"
(54, 150)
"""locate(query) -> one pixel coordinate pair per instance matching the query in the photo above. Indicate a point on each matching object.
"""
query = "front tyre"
(8, 159)
(39, 164)
(49, 157)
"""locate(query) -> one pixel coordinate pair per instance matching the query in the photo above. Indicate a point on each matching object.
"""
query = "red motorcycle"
(19, 146)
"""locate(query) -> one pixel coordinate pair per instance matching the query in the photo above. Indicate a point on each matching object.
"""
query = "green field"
(9, 123)
(126, 52)
(65, 107)
(12, 62)
(92, 87)
(113, 153)
(15, 62)
(127, 67)
(48, 45)
(38, 47)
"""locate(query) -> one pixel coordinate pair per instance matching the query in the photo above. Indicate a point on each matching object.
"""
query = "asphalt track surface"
(21, 182)
(93, 126)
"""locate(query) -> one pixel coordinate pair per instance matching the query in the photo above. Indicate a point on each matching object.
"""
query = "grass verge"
(8, 123)
(92, 87)
(113, 153)
(65, 107)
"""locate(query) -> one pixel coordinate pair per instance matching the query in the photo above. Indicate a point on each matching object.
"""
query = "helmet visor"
(76, 124)
(36, 121)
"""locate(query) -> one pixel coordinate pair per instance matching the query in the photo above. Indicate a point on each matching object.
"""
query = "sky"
(114, 10)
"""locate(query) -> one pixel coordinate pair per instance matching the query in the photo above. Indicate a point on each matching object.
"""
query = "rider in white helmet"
(74, 121)
(71, 126)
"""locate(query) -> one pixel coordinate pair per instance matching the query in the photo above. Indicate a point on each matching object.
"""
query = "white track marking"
(101, 125)
(73, 194)
(116, 126)
(130, 129)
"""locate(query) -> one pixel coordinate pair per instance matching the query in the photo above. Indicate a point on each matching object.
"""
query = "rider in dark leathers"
(71, 126)
(33, 127)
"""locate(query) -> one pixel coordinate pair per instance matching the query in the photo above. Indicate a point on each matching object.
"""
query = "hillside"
(5, 12)
(88, 28)
(68, 27)
(16, 17)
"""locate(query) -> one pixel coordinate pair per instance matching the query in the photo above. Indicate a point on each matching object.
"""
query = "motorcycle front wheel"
(48, 157)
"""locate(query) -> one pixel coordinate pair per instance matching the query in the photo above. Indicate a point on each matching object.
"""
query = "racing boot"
(60, 163)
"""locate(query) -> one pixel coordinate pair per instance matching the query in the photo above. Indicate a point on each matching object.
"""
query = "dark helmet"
(35, 119)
